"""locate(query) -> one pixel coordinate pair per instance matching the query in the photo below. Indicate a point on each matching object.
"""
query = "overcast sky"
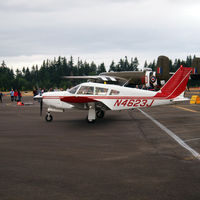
(97, 30)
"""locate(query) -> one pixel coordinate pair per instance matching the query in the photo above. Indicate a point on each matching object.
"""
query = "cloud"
(98, 28)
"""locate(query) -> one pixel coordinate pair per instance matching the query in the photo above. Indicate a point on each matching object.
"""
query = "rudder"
(176, 84)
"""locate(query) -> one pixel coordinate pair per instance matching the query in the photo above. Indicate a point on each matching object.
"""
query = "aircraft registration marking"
(133, 102)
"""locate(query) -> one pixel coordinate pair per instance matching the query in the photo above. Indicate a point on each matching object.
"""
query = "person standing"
(15, 95)
(1, 95)
(39, 92)
(34, 92)
(19, 95)
(12, 95)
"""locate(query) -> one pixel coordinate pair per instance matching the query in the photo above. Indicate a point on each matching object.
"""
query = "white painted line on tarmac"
(192, 139)
(171, 134)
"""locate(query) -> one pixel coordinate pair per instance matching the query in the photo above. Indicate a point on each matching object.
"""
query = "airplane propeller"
(40, 100)
(41, 106)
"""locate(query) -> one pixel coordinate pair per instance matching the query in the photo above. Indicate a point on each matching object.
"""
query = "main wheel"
(49, 118)
(100, 113)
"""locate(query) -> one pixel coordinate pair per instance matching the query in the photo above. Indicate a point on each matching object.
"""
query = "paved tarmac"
(124, 156)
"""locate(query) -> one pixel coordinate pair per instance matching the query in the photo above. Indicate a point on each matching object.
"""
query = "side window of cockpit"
(86, 90)
(101, 91)
(114, 92)
(73, 90)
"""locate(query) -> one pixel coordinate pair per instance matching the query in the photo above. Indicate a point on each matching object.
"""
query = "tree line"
(49, 74)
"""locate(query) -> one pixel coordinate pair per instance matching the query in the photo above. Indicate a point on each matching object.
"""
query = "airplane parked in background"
(98, 98)
(147, 77)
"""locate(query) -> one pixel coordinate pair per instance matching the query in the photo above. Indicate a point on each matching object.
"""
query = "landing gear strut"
(48, 117)
(91, 118)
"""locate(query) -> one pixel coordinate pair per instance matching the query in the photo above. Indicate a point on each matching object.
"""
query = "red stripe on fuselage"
(86, 99)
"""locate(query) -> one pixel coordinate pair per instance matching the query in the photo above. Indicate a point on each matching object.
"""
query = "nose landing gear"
(48, 117)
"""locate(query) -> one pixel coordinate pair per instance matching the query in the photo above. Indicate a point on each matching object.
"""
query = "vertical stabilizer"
(176, 85)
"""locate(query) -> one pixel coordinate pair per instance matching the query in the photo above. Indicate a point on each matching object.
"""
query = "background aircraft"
(149, 78)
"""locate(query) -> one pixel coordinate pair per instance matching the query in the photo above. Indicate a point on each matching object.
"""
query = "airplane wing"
(101, 77)
(137, 77)
(125, 74)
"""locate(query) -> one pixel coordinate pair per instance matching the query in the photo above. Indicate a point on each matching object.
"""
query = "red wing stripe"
(86, 99)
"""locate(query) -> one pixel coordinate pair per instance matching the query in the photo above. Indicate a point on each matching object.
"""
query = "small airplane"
(98, 97)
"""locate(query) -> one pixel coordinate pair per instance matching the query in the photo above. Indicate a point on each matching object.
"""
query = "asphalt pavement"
(123, 156)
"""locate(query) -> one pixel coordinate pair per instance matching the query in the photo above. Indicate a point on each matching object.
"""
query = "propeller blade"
(41, 106)
(40, 100)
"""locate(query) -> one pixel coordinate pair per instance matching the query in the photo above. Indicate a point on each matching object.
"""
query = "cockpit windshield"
(74, 89)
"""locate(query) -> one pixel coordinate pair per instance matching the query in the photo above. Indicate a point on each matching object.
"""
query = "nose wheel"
(48, 117)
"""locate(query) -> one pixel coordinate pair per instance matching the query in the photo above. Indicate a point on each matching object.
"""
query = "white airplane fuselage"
(127, 98)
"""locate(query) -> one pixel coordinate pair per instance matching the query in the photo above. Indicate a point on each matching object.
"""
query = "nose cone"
(37, 97)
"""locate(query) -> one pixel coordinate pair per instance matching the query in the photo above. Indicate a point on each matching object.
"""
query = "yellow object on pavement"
(195, 99)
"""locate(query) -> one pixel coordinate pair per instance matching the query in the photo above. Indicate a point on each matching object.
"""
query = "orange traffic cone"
(19, 103)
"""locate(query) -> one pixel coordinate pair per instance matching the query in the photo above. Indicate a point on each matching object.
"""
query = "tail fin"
(176, 84)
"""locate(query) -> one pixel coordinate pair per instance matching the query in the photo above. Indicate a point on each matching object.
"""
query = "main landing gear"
(100, 113)
(48, 117)
(93, 113)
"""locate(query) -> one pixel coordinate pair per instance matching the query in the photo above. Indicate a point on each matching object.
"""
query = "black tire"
(100, 114)
(49, 118)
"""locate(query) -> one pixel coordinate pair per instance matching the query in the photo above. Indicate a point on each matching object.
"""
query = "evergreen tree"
(93, 68)
(101, 68)
(3, 64)
(126, 64)
(112, 67)
(50, 73)
(134, 64)
(188, 61)
(152, 66)
(145, 64)
(6, 77)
